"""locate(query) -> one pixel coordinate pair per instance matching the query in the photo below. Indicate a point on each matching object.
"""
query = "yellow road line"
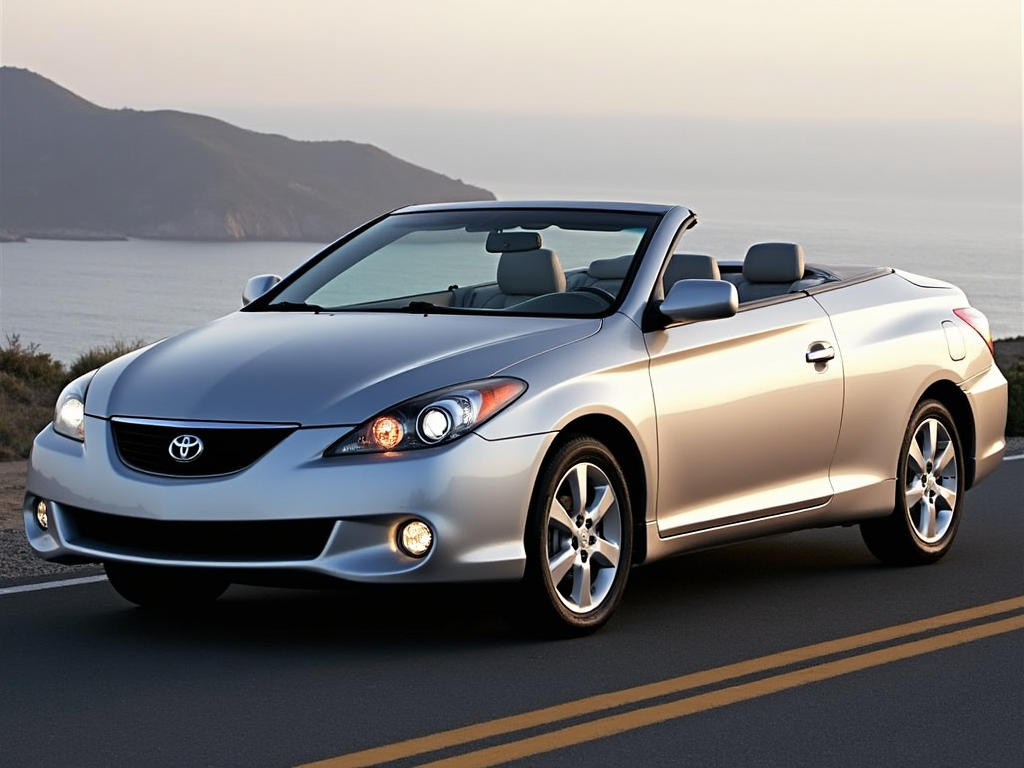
(614, 724)
(553, 714)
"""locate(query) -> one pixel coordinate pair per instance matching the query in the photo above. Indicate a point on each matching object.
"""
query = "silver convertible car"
(545, 394)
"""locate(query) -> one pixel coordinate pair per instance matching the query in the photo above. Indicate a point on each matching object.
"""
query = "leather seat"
(606, 274)
(770, 269)
(521, 276)
(689, 266)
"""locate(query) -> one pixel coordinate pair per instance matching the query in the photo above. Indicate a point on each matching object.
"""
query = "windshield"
(560, 262)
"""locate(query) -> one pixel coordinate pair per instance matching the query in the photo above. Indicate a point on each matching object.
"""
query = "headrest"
(530, 273)
(610, 269)
(685, 266)
(774, 263)
(507, 242)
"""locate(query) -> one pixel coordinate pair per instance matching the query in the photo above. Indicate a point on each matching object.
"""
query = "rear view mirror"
(257, 286)
(513, 242)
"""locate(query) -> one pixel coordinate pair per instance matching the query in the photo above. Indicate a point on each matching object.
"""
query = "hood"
(317, 369)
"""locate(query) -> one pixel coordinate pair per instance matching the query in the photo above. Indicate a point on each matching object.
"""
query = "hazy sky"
(453, 83)
(876, 59)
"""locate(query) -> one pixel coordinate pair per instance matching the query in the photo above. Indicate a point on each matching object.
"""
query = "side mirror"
(257, 286)
(700, 300)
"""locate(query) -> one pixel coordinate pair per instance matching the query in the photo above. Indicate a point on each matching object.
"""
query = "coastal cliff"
(73, 170)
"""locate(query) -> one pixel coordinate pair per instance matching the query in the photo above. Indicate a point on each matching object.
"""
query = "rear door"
(747, 423)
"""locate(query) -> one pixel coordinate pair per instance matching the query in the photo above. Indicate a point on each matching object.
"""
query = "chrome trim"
(209, 424)
(820, 352)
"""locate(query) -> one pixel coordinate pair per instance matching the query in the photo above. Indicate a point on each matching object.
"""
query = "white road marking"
(51, 585)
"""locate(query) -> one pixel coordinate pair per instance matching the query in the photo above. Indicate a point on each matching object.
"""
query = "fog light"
(415, 538)
(43, 514)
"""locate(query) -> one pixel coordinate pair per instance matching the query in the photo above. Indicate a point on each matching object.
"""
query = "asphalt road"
(793, 651)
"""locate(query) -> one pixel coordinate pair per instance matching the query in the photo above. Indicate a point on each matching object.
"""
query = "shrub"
(27, 364)
(1015, 403)
(97, 356)
(30, 382)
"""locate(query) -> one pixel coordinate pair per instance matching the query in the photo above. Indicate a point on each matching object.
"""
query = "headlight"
(431, 419)
(69, 413)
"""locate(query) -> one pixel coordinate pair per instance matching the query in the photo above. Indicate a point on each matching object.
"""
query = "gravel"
(17, 563)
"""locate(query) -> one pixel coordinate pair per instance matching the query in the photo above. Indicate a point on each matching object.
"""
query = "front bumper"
(292, 510)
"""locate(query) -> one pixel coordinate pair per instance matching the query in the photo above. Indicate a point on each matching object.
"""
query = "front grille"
(226, 448)
(260, 540)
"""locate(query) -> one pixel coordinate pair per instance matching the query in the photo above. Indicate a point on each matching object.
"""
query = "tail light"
(977, 320)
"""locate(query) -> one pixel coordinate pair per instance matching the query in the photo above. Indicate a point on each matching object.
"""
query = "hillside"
(72, 169)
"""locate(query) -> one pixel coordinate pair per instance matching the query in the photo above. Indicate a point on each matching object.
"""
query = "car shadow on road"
(764, 572)
(350, 615)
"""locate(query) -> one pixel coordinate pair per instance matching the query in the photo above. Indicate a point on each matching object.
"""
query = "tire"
(151, 586)
(579, 542)
(929, 492)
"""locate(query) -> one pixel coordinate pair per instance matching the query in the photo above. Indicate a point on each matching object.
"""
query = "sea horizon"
(66, 296)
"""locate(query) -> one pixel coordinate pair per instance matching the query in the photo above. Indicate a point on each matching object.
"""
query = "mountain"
(72, 169)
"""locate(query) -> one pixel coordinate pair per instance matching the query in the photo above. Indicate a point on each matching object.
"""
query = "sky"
(731, 92)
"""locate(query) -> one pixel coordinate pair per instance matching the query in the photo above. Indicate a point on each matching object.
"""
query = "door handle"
(820, 352)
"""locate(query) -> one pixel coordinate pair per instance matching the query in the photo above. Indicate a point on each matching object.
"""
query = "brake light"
(977, 320)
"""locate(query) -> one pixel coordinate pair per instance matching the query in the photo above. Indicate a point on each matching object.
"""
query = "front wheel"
(579, 541)
(929, 492)
(152, 586)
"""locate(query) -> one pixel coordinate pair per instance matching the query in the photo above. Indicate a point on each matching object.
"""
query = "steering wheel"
(601, 292)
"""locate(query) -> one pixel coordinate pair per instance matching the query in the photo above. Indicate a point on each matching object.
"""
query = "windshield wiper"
(293, 306)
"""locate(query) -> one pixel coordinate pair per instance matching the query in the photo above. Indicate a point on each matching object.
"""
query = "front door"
(747, 425)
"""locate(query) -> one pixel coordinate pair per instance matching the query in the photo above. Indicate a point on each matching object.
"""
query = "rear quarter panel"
(894, 348)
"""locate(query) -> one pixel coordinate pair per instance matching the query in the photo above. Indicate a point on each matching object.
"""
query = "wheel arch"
(956, 402)
(614, 435)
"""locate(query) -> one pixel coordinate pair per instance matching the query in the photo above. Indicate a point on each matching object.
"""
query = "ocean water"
(66, 297)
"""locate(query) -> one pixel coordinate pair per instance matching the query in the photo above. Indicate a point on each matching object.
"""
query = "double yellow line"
(611, 724)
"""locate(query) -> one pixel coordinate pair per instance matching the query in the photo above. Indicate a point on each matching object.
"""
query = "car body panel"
(335, 368)
(604, 375)
(726, 447)
(986, 394)
(893, 341)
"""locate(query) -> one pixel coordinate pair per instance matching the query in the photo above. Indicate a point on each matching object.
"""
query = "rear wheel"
(579, 541)
(929, 492)
(152, 586)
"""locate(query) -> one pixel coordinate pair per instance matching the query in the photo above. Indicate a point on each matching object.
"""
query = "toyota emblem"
(185, 448)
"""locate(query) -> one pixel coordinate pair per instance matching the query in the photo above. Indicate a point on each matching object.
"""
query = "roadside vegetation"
(1010, 359)
(1015, 412)
(30, 382)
